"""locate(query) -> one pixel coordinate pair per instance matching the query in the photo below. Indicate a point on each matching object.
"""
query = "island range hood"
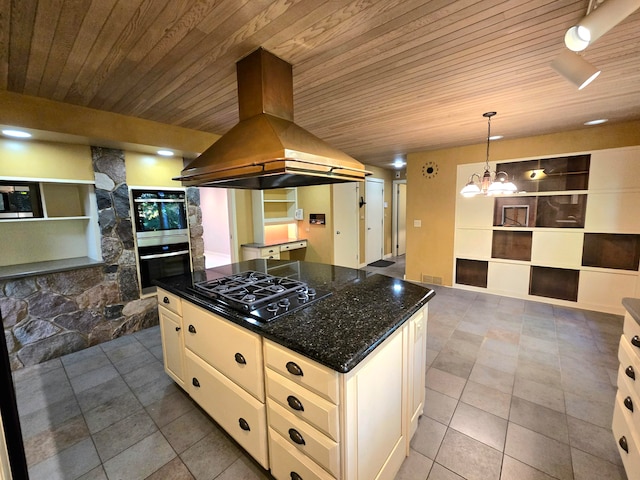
(266, 149)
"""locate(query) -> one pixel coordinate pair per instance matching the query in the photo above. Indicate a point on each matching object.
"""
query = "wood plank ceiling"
(374, 78)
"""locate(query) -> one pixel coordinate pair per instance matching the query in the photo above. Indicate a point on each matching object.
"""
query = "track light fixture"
(598, 22)
(575, 69)
(490, 183)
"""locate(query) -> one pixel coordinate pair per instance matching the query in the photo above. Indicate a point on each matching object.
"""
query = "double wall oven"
(162, 234)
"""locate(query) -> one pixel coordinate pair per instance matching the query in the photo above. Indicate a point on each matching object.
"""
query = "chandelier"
(491, 182)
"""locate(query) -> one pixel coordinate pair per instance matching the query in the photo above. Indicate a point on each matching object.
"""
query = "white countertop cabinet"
(171, 331)
(626, 413)
(296, 417)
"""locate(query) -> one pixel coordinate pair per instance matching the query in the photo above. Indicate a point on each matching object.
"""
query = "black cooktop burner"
(261, 295)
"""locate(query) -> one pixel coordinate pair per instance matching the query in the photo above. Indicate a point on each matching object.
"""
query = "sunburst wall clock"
(430, 170)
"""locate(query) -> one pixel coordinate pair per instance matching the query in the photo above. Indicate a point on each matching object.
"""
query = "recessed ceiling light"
(398, 164)
(16, 133)
(165, 153)
(596, 122)
(496, 137)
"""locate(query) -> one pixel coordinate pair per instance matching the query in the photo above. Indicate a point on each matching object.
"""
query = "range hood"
(266, 149)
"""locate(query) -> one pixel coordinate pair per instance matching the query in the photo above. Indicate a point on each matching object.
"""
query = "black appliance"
(160, 216)
(263, 296)
(20, 200)
(157, 261)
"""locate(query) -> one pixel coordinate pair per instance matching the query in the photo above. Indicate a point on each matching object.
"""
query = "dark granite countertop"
(338, 331)
(632, 305)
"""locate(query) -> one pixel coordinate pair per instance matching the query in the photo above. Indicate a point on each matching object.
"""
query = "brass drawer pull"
(240, 359)
(192, 329)
(635, 341)
(195, 382)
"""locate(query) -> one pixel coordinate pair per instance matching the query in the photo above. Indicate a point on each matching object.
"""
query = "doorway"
(374, 220)
(399, 221)
(217, 205)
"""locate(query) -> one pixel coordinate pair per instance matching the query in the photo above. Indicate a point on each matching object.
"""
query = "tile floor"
(515, 390)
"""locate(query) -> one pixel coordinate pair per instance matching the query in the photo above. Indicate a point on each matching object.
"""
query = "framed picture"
(515, 215)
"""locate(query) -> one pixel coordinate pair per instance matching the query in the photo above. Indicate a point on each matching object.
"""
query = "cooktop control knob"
(311, 292)
(284, 303)
(272, 307)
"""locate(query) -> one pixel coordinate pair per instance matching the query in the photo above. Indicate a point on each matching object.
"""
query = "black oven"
(159, 261)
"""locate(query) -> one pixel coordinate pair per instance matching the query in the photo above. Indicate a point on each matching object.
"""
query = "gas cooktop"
(263, 296)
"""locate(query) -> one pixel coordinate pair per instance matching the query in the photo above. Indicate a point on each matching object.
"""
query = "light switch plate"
(417, 223)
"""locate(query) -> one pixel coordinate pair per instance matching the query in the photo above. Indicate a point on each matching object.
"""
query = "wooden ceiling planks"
(374, 77)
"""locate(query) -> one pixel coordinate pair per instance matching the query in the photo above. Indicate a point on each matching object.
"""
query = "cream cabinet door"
(240, 414)
(172, 344)
(417, 368)
(232, 350)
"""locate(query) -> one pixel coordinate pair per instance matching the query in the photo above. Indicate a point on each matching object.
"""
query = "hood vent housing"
(266, 149)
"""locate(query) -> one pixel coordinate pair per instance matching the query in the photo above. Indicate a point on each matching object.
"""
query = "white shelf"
(41, 219)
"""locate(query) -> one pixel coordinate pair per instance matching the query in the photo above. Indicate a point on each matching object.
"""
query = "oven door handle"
(163, 255)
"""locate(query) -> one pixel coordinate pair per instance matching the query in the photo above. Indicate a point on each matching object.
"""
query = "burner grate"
(250, 289)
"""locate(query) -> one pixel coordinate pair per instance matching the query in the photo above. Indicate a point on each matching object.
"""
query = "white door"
(374, 216)
(399, 217)
(345, 224)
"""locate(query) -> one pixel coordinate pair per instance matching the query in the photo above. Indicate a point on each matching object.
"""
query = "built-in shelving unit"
(67, 228)
(274, 215)
(571, 237)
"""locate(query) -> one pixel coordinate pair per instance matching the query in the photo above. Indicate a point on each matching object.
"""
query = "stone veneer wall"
(47, 316)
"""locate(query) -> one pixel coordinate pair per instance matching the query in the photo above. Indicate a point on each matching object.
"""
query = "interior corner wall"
(316, 199)
(431, 201)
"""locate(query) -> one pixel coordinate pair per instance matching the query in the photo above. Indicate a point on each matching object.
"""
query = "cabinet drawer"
(266, 252)
(303, 403)
(632, 333)
(624, 438)
(287, 462)
(170, 301)
(303, 371)
(234, 351)
(241, 415)
(631, 404)
(305, 438)
(629, 366)
(293, 245)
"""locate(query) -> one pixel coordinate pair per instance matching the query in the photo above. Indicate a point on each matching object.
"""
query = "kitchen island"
(332, 390)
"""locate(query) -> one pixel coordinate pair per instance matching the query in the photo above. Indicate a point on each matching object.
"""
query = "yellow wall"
(96, 127)
(151, 170)
(46, 160)
(316, 199)
(432, 201)
(244, 217)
